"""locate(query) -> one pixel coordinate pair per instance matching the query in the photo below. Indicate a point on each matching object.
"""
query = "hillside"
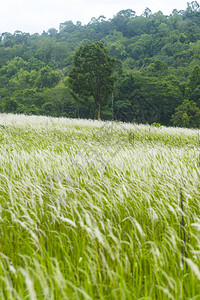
(158, 67)
(98, 210)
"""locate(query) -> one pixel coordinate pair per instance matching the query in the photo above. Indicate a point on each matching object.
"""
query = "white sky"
(38, 15)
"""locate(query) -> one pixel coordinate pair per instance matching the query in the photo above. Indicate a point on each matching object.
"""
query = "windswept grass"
(98, 210)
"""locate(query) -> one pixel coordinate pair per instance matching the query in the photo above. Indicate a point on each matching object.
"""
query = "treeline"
(158, 68)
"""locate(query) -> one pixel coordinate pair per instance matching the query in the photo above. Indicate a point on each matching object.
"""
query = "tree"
(120, 21)
(92, 75)
(47, 77)
(157, 68)
(13, 66)
(10, 105)
(187, 115)
(194, 78)
(147, 13)
(142, 99)
(127, 14)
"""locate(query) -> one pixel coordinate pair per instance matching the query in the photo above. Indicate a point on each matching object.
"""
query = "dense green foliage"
(92, 75)
(159, 66)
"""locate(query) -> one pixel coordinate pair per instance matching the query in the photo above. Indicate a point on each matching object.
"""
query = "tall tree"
(92, 75)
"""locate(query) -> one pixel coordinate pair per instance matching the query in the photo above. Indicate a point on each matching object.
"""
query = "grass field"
(98, 210)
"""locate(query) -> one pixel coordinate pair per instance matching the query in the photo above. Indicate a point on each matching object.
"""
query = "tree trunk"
(99, 110)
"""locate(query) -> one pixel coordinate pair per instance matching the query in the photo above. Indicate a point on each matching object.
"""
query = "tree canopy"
(92, 75)
(157, 55)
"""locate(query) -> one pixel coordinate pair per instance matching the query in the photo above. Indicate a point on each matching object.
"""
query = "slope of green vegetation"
(98, 210)
(159, 68)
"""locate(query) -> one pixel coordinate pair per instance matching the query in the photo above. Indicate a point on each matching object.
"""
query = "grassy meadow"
(98, 210)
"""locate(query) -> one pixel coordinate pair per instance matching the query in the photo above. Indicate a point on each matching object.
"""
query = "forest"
(157, 69)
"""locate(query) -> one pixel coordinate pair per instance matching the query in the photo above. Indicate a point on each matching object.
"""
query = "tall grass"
(98, 210)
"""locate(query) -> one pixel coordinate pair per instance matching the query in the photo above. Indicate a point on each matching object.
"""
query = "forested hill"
(158, 77)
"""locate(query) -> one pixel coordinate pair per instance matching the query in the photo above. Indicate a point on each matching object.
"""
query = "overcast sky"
(37, 15)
